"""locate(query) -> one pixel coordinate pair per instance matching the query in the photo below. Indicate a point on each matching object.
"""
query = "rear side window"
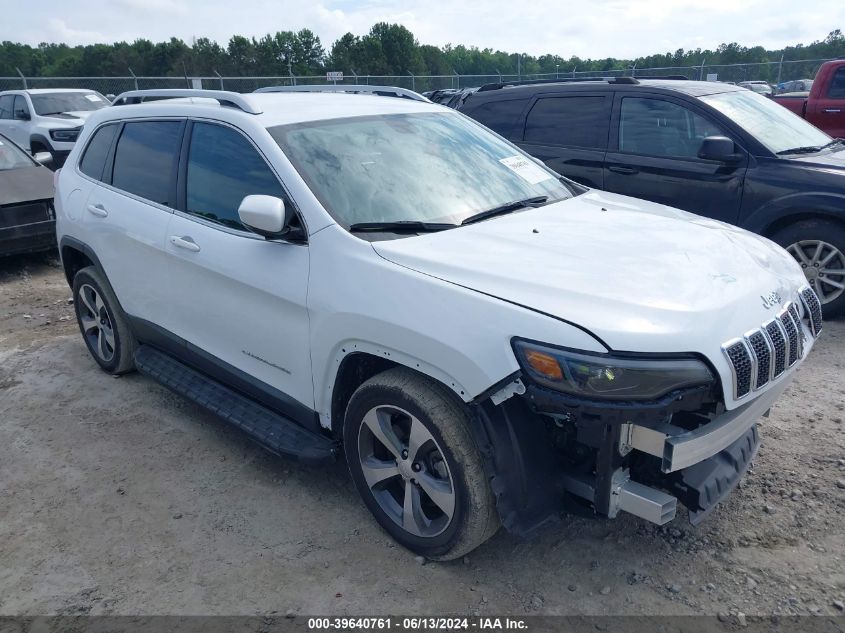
(569, 121)
(145, 160)
(6, 106)
(837, 86)
(501, 116)
(94, 159)
(224, 168)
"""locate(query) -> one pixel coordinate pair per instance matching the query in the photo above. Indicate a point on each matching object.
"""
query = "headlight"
(66, 135)
(606, 377)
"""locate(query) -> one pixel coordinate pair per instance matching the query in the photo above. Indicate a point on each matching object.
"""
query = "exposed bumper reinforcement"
(681, 449)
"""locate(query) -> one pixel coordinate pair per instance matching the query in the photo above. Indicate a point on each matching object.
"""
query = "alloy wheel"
(96, 324)
(823, 265)
(406, 471)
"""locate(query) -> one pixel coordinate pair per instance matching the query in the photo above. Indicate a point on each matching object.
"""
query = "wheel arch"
(39, 139)
(75, 256)
(780, 213)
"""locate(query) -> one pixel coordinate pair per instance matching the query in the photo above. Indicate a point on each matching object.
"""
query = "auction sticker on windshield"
(526, 169)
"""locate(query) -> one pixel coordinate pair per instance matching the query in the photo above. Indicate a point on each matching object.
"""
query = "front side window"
(48, 103)
(774, 126)
(422, 167)
(652, 127)
(11, 157)
(837, 85)
(21, 110)
(145, 160)
(568, 122)
(224, 168)
(94, 159)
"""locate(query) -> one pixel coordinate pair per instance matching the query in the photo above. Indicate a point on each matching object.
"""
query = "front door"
(655, 144)
(828, 111)
(237, 299)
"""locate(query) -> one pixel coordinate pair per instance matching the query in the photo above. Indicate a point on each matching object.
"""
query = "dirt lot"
(118, 497)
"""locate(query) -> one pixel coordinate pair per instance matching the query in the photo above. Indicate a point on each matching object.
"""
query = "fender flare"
(82, 247)
(43, 140)
(830, 205)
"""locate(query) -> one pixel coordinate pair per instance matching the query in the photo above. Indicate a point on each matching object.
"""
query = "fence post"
(573, 71)
(413, 81)
(355, 76)
(701, 72)
(634, 70)
(219, 79)
(22, 77)
(134, 78)
(780, 69)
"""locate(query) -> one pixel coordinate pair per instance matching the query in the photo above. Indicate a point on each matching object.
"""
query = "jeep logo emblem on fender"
(772, 299)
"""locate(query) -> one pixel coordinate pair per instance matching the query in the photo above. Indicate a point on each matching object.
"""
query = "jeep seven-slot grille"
(765, 353)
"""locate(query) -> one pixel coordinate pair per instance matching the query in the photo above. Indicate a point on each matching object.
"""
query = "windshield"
(60, 102)
(427, 167)
(11, 157)
(769, 122)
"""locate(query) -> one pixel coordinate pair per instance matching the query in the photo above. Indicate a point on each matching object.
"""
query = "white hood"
(639, 276)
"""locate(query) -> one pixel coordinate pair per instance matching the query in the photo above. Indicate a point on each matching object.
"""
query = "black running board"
(276, 433)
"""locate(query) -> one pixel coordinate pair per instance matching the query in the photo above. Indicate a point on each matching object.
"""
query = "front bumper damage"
(641, 458)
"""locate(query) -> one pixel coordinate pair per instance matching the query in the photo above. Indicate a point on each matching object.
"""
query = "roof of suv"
(38, 91)
(279, 108)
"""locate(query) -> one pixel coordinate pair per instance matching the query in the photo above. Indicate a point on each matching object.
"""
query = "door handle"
(98, 210)
(619, 169)
(185, 242)
(832, 110)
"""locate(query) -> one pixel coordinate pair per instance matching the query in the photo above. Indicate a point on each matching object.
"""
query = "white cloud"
(596, 29)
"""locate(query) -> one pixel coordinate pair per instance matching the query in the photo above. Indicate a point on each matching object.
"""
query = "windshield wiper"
(506, 208)
(810, 149)
(400, 226)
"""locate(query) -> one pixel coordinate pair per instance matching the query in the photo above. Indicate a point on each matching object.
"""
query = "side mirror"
(266, 215)
(22, 115)
(719, 148)
(45, 158)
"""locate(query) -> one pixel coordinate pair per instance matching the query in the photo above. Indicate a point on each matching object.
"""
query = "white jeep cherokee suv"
(47, 120)
(485, 341)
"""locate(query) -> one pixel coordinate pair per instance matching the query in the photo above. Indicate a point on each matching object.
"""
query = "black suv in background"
(709, 148)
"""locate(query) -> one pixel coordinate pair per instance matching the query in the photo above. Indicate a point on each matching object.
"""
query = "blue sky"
(597, 28)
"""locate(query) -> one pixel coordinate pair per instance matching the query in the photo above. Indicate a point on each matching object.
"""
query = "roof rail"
(225, 98)
(562, 80)
(383, 91)
(570, 80)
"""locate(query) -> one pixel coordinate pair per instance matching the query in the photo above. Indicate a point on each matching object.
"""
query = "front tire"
(102, 323)
(416, 465)
(819, 246)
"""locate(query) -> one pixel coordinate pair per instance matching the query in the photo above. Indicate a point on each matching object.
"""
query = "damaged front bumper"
(645, 463)
(550, 451)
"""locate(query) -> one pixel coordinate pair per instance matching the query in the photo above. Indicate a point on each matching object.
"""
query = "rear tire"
(103, 324)
(416, 465)
(819, 246)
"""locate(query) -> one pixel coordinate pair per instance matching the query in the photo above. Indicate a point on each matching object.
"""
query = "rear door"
(128, 209)
(569, 134)
(828, 111)
(237, 299)
(655, 141)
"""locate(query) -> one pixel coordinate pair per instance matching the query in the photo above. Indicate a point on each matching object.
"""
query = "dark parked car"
(710, 148)
(27, 219)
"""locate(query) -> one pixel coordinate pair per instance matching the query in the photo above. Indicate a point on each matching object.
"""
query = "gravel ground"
(117, 497)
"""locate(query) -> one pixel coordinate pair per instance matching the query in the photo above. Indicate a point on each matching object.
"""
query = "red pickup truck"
(824, 105)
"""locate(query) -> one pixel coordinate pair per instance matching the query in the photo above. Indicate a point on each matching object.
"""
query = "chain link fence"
(772, 72)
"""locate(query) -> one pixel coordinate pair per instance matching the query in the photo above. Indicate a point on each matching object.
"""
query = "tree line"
(387, 49)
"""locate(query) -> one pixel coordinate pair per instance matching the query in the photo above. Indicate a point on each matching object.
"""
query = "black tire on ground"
(103, 324)
(833, 235)
(448, 456)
